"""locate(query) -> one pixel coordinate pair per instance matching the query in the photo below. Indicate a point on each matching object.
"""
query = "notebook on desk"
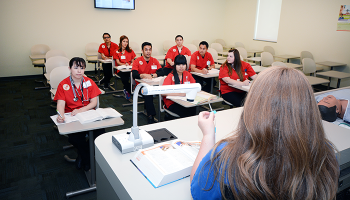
(201, 97)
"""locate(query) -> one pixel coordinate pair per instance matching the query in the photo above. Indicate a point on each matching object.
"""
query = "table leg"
(338, 84)
(329, 84)
(287, 60)
(331, 67)
(159, 107)
(211, 85)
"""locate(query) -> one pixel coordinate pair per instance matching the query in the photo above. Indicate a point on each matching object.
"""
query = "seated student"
(124, 56)
(76, 94)
(147, 67)
(334, 104)
(234, 72)
(278, 151)
(179, 76)
(178, 49)
(201, 62)
(106, 50)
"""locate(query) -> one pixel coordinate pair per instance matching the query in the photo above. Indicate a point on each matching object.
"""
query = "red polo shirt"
(173, 52)
(187, 77)
(143, 67)
(65, 93)
(247, 71)
(199, 61)
(108, 51)
(125, 57)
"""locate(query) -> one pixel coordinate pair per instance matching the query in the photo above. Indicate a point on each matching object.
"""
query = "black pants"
(207, 86)
(125, 77)
(148, 105)
(107, 71)
(166, 71)
(182, 111)
(78, 140)
(235, 98)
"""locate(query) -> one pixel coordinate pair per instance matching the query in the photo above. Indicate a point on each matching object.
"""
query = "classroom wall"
(70, 25)
(304, 26)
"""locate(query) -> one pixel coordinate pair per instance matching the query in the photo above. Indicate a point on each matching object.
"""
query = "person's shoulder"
(139, 58)
(154, 60)
(196, 53)
(114, 44)
(66, 80)
(208, 54)
(103, 45)
(187, 73)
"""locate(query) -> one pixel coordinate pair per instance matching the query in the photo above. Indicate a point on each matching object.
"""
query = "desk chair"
(307, 54)
(162, 106)
(188, 60)
(167, 44)
(196, 43)
(55, 52)
(91, 51)
(309, 67)
(239, 44)
(218, 47)
(269, 49)
(52, 63)
(266, 59)
(223, 43)
(280, 64)
(136, 48)
(37, 55)
(192, 48)
(215, 55)
(244, 54)
(56, 76)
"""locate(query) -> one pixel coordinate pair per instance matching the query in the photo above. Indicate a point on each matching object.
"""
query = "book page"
(167, 158)
(67, 118)
(124, 67)
(190, 148)
(108, 113)
(88, 116)
(213, 71)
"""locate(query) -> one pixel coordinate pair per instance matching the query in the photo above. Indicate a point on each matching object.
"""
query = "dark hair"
(146, 44)
(120, 44)
(328, 114)
(179, 60)
(204, 43)
(237, 64)
(106, 34)
(179, 36)
(80, 62)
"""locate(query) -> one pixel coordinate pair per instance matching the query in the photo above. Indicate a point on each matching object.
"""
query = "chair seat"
(40, 62)
(91, 58)
(256, 59)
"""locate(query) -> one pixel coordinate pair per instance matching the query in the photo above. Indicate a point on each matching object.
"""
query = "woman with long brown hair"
(234, 72)
(278, 151)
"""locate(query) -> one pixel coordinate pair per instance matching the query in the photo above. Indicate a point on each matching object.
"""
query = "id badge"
(208, 63)
(86, 84)
(187, 82)
(122, 57)
(154, 67)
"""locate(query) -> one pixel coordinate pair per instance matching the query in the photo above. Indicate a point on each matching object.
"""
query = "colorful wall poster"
(344, 18)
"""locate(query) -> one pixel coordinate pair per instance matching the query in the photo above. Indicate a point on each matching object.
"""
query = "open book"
(165, 163)
(201, 97)
(124, 67)
(98, 114)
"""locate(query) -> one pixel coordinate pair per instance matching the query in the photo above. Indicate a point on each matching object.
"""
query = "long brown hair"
(236, 64)
(128, 49)
(279, 150)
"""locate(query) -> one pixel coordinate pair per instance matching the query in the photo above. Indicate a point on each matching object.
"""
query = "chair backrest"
(134, 46)
(91, 48)
(242, 52)
(54, 52)
(167, 44)
(155, 51)
(192, 48)
(132, 83)
(57, 75)
(99, 56)
(221, 41)
(239, 44)
(279, 64)
(39, 49)
(305, 54)
(213, 53)
(269, 49)
(188, 59)
(56, 61)
(218, 47)
(196, 43)
(309, 66)
(266, 58)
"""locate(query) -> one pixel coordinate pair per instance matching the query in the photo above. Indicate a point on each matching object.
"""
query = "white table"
(334, 74)
(75, 127)
(292, 65)
(254, 52)
(331, 64)
(258, 69)
(316, 81)
(118, 177)
(287, 57)
(255, 59)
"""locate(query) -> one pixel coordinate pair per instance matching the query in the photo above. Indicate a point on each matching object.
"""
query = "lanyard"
(179, 50)
(75, 90)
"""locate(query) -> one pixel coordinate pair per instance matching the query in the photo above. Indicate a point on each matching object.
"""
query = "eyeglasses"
(106, 37)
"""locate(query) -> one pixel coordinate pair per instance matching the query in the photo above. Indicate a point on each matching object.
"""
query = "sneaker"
(127, 95)
(150, 119)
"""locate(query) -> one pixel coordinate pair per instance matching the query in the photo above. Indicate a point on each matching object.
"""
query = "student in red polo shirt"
(76, 94)
(147, 67)
(179, 75)
(124, 56)
(178, 49)
(235, 72)
(106, 50)
(201, 62)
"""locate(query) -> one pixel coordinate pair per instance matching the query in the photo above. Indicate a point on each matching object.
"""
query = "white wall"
(304, 26)
(69, 25)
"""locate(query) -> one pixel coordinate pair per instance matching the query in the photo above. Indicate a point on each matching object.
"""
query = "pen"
(59, 113)
(211, 110)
